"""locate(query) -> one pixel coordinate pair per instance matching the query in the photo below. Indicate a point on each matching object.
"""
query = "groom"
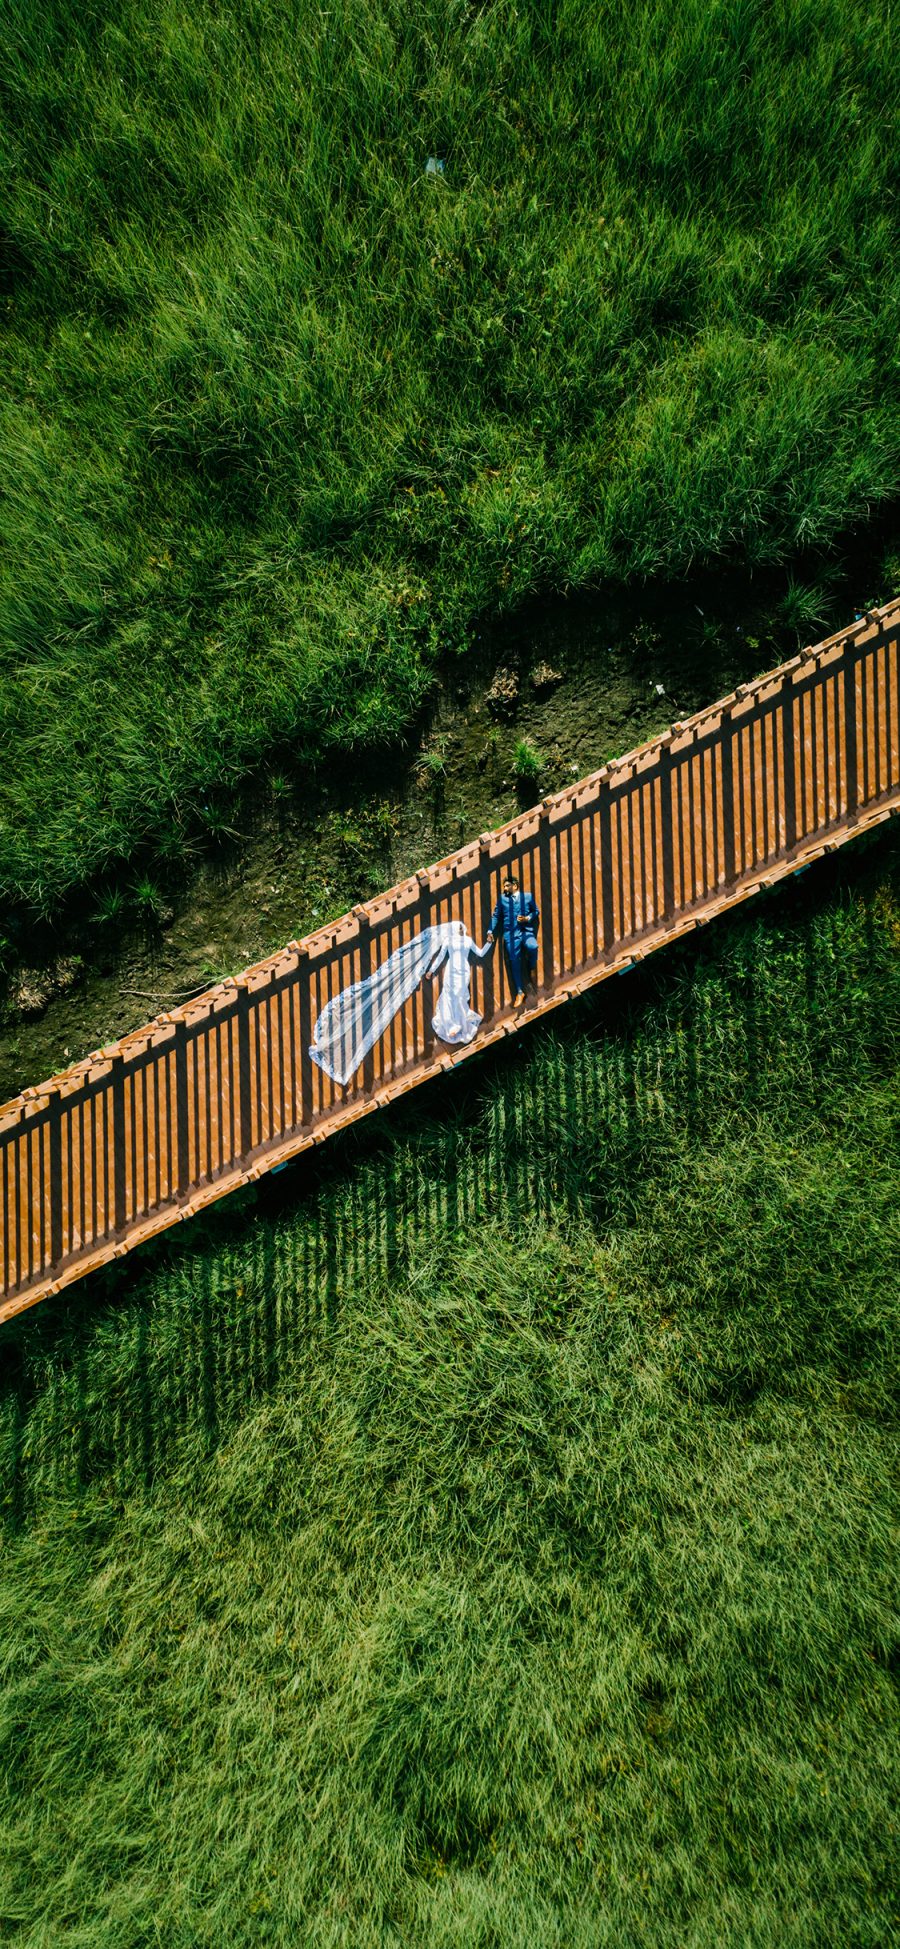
(516, 917)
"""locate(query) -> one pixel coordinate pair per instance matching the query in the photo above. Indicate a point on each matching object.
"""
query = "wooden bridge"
(151, 1129)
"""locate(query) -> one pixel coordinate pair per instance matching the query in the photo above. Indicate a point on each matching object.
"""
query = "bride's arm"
(436, 959)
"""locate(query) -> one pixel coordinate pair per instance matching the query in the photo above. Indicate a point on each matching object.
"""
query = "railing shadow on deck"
(102, 1388)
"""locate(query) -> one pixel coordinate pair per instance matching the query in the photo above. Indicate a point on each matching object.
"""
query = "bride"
(351, 1023)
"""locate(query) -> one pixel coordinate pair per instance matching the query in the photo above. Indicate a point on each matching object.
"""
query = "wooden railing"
(149, 1130)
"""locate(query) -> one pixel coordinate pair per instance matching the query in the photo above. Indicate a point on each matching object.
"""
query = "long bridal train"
(352, 1022)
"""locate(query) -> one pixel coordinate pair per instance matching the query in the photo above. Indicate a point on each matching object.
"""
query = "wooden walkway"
(148, 1131)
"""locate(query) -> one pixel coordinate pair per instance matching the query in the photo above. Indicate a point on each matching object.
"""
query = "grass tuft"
(528, 762)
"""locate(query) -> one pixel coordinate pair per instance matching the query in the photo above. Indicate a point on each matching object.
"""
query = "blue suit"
(516, 917)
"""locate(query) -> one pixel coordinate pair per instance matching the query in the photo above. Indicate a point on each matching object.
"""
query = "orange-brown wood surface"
(149, 1130)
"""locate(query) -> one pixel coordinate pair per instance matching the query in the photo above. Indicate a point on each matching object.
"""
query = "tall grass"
(492, 1544)
(282, 413)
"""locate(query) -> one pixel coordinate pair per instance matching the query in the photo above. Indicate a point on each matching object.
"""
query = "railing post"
(850, 728)
(604, 824)
(245, 1081)
(54, 1126)
(486, 908)
(789, 761)
(667, 819)
(117, 1102)
(364, 927)
(546, 934)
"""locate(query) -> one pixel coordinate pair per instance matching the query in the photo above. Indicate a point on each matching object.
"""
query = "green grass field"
(282, 414)
(490, 1542)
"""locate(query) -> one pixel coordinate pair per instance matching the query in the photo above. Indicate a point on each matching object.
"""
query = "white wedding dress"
(352, 1022)
(454, 1019)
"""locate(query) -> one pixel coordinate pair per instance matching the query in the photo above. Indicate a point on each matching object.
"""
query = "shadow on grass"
(777, 1013)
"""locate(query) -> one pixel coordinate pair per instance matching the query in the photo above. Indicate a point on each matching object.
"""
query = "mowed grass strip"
(494, 1544)
(282, 413)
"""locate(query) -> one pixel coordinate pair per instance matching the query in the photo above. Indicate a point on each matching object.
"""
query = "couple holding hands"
(352, 1022)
